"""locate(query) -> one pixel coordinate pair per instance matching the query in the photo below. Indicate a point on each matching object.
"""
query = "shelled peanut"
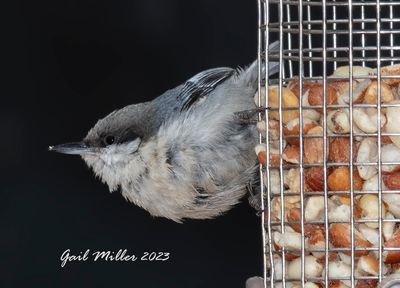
(333, 164)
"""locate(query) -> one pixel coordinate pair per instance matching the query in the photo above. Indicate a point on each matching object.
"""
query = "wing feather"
(202, 84)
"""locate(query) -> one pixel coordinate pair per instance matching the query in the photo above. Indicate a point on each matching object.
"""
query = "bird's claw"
(255, 201)
(249, 116)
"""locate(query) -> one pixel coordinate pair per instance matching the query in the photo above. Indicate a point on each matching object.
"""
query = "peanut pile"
(365, 176)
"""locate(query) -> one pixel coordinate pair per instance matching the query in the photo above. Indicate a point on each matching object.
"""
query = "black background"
(69, 63)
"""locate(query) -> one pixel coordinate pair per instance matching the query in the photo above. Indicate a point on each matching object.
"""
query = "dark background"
(67, 64)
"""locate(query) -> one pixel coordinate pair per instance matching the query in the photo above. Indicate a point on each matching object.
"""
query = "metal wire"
(378, 66)
(316, 38)
(326, 224)
(301, 73)
(351, 79)
(262, 192)
(281, 180)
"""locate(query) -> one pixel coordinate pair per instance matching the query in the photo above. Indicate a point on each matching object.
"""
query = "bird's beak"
(74, 148)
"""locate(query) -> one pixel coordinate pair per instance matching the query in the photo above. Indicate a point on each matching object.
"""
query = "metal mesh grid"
(317, 37)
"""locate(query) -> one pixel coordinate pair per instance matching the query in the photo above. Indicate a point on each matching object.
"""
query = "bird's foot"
(255, 200)
(249, 116)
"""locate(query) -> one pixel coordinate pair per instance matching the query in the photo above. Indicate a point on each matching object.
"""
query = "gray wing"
(201, 85)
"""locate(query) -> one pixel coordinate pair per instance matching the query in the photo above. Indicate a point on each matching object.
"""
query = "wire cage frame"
(316, 40)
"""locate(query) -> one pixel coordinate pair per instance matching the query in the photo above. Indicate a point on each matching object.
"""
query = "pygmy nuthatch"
(186, 154)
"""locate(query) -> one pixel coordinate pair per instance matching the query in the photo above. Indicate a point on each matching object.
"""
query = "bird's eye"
(108, 140)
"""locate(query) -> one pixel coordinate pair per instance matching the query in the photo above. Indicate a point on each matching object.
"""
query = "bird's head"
(112, 143)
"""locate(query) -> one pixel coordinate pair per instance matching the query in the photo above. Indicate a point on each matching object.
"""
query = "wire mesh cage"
(329, 142)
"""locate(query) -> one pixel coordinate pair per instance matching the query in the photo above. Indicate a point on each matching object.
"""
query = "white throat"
(113, 162)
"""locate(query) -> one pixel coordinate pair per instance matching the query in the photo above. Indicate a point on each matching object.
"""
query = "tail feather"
(249, 75)
(273, 66)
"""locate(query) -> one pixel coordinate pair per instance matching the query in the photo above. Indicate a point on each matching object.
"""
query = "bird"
(187, 154)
